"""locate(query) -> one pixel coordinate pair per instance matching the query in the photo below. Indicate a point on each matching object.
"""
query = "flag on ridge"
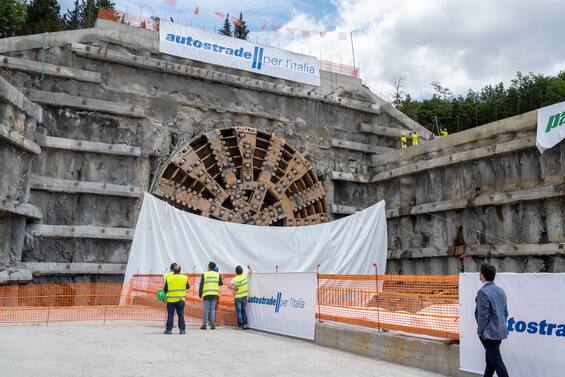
(172, 3)
(196, 11)
(220, 14)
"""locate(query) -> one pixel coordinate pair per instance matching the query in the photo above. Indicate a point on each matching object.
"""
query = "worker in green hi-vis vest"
(240, 286)
(209, 291)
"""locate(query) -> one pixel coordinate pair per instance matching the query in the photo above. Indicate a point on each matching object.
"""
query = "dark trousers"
(493, 358)
(240, 310)
(171, 308)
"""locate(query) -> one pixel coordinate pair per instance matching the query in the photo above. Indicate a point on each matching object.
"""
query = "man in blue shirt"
(491, 314)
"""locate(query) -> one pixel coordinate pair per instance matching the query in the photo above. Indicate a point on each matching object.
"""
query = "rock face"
(84, 132)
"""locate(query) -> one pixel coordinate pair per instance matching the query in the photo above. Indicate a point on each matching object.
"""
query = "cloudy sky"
(460, 43)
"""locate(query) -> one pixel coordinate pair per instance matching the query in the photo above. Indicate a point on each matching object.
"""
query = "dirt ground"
(141, 349)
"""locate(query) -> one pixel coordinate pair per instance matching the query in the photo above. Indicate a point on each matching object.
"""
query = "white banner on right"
(551, 126)
(536, 323)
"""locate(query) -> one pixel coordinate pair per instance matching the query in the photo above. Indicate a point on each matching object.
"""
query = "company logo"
(258, 58)
(554, 121)
(532, 327)
(278, 302)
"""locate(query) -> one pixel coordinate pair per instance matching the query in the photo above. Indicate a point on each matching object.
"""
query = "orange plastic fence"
(418, 304)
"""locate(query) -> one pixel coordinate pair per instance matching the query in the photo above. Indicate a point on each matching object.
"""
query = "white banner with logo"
(551, 126)
(283, 303)
(196, 44)
(536, 323)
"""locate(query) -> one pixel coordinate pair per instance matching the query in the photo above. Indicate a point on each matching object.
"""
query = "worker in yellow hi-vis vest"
(176, 286)
(415, 138)
(403, 141)
(209, 291)
(240, 286)
(169, 273)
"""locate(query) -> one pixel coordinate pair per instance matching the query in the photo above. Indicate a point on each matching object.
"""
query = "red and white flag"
(196, 11)
(220, 14)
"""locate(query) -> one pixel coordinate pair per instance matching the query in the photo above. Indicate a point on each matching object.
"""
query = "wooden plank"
(21, 209)
(69, 186)
(499, 198)
(53, 268)
(497, 250)
(12, 94)
(350, 177)
(360, 147)
(73, 101)
(13, 137)
(87, 146)
(26, 65)
(343, 209)
(451, 159)
(383, 131)
(80, 231)
(519, 123)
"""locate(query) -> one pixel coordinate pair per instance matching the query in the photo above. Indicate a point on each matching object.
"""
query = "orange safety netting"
(418, 304)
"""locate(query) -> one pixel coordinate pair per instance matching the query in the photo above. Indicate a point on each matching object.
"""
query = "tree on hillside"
(85, 13)
(226, 30)
(398, 90)
(73, 18)
(43, 16)
(493, 102)
(13, 14)
(240, 30)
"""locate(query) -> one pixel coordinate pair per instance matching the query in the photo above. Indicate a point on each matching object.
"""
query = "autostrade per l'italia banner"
(199, 45)
(283, 303)
(535, 346)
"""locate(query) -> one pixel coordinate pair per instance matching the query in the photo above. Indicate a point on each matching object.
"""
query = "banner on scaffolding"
(536, 325)
(283, 303)
(199, 45)
(551, 126)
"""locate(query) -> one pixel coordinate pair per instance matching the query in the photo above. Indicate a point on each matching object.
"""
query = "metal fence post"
(318, 291)
(377, 295)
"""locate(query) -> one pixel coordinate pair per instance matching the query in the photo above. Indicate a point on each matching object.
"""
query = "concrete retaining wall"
(432, 355)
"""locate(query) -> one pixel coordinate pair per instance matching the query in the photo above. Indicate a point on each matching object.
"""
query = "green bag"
(161, 295)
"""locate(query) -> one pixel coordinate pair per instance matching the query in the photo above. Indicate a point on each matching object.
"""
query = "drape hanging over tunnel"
(165, 234)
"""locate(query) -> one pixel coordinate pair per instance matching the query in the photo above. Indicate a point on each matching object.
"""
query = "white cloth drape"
(165, 234)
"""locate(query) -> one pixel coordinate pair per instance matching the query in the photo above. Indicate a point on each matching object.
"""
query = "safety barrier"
(417, 304)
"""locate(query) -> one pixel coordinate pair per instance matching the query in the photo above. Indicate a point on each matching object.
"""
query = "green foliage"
(226, 29)
(13, 14)
(85, 13)
(443, 110)
(240, 29)
(43, 16)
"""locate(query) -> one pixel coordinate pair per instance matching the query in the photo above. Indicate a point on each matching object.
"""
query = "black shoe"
(203, 328)
(245, 327)
(183, 332)
(213, 327)
(168, 332)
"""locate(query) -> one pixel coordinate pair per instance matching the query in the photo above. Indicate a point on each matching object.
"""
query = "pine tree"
(240, 30)
(13, 14)
(43, 16)
(73, 18)
(226, 30)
